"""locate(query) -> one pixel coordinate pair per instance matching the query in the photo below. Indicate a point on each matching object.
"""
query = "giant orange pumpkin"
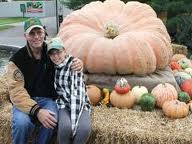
(117, 38)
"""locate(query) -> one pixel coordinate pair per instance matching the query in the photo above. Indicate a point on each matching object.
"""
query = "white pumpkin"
(180, 77)
(185, 63)
(138, 91)
(189, 71)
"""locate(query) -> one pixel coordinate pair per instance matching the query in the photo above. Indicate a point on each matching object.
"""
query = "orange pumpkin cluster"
(182, 69)
(165, 94)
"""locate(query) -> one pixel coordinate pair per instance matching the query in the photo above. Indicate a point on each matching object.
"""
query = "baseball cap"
(55, 43)
(32, 23)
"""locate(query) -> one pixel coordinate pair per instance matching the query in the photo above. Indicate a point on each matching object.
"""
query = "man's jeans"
(23, 127)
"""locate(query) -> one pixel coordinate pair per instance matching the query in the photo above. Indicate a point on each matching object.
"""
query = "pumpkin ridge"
(159, 48)
(73, 29)
(126, 56)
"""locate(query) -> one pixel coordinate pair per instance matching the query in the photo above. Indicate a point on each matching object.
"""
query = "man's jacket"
(28, 77)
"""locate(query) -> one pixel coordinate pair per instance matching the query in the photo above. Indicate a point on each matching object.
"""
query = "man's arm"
(18, 94)
(22, 100)
(77, 65)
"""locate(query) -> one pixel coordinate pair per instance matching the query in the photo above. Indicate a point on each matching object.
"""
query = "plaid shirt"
(71, 89)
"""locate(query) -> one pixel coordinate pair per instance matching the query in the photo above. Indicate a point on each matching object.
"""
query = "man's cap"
(55, 43)
(32, 23)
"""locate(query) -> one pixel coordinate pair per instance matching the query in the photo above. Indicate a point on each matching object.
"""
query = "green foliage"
(9, 20)
(180, 29)
(159, 5)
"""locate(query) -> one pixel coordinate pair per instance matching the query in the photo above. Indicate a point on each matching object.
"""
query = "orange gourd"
(164, 92)
(116, 38)
(94, 94)
(122, 100)
(174, 66)
(175, 109)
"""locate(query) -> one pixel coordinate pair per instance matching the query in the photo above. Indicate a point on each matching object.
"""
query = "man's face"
(35, 38)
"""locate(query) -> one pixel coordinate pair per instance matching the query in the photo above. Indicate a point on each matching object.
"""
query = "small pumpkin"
(181, 76)
(174, 66)
(184, 63)
(186, 86)
(138, 91)
(147, 102)
(122, 86)
(122, 100)
(175, 109)
(189, 71)
(177, 57)
(184, 97)
(94, 94)
(164, 92)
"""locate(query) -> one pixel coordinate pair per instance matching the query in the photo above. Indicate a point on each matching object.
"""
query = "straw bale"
(5, 123)
(4, 94)
(131, 126)
(122, 126)
(179, 49)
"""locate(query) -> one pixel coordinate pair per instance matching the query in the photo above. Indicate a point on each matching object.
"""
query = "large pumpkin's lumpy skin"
(116, 38)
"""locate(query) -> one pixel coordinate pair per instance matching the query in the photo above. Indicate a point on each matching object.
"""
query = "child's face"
(57, 56)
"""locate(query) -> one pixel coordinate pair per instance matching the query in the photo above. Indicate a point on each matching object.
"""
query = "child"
(74, 124)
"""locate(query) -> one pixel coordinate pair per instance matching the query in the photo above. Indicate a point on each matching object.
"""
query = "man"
(30, 77)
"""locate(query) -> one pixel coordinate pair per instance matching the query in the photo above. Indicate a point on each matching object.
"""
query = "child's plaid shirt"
(72, 92)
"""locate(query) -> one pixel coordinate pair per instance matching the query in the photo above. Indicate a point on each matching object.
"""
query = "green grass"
(11, 20)
(4, 27)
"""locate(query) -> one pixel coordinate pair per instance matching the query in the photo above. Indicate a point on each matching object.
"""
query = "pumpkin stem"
(110, 30)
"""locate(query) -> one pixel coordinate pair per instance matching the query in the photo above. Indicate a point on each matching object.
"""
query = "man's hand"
(77, 64)
(47, 119)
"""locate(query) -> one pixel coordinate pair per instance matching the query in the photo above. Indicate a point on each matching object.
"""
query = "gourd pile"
(182, 69)
(127, 114)
(164, 96)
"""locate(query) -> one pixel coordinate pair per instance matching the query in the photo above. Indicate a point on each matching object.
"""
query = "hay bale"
(4, 94)
(122, 126)
(5, 123)
(129, 126)
(179, 49)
